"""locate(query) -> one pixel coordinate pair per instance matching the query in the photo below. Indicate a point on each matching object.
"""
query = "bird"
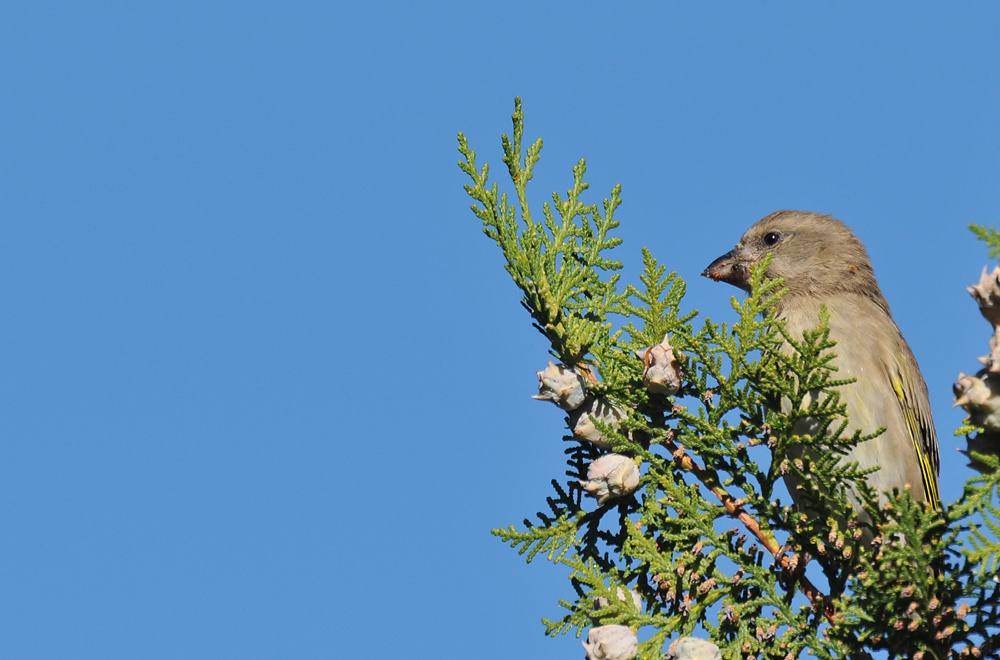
(822, 262)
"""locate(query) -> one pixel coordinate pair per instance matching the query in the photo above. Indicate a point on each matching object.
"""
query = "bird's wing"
(906, 382)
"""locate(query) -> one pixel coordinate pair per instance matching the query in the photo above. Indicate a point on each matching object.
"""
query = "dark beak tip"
(717, 269)
(729, 268)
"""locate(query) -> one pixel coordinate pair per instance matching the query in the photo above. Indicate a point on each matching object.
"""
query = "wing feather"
(916, 411)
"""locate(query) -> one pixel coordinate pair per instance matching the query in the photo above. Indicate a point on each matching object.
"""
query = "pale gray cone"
(823, 262)
(692, 648)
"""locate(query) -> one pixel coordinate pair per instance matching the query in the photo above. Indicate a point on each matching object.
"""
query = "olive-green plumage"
(823, 262)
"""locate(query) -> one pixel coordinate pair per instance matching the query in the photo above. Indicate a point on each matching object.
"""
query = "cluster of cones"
(979, 394)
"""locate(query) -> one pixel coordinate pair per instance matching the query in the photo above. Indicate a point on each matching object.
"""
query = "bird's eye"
(771, 238)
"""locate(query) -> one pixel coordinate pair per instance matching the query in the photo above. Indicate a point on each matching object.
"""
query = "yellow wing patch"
(917, 434)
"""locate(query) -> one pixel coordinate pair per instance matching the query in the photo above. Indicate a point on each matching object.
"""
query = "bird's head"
(815, 254)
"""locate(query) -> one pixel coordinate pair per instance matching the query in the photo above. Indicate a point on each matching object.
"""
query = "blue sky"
(267, 384)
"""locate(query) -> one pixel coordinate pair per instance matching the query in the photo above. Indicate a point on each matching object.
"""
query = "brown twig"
(735, 509)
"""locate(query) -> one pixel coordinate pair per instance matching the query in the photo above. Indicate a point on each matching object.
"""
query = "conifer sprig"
(705, 541)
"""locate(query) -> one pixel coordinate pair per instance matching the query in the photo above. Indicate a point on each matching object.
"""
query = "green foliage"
(990, 236)
(555, 262)
(706, 541)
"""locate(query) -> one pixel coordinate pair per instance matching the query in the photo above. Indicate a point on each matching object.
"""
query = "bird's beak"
(732, 267)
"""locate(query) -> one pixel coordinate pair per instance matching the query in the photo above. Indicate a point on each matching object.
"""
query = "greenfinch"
(822, 262)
